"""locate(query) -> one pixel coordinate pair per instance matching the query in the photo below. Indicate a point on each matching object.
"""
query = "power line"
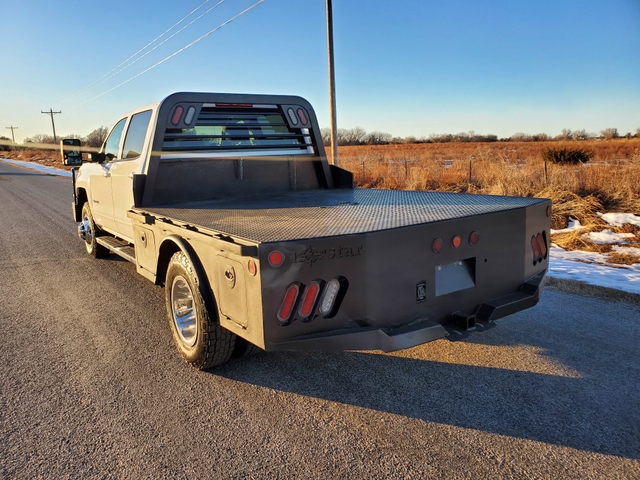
(52, 113)
(159, 45)
(178, 51)
(12, 129)
(95, 83)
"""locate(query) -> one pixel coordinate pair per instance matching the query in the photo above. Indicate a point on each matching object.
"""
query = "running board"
(119, 247)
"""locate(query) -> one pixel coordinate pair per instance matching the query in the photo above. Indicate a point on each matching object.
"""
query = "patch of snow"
(571, 266)
(627, 250)
(39, 168)
(608, 236)
(619, 219)
(574, 224)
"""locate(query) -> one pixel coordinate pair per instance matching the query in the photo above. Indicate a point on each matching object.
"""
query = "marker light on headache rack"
(177, 115)
(292, 116)
(303, 117)
(250, 105)
(188, 118)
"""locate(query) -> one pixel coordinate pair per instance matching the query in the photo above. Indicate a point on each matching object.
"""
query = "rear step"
(119, 247)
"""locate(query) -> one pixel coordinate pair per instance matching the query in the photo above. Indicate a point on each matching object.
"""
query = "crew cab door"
(123, 169)
(100, 180)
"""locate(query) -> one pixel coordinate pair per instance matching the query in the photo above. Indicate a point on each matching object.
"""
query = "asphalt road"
(92, 386)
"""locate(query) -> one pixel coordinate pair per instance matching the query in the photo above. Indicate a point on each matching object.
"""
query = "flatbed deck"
(327, 213)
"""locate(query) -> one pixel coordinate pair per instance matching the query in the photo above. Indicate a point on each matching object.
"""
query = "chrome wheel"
(183, 311)
(84, 230)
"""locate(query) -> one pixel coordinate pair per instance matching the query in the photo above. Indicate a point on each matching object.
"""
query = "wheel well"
(81, 198)
(167, 249)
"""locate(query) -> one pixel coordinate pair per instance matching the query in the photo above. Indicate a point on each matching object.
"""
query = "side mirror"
(70, 151)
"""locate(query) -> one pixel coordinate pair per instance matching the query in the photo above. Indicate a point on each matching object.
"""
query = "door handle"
(106, 174)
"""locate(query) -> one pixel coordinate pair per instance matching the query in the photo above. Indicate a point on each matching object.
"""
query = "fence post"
(546, 174)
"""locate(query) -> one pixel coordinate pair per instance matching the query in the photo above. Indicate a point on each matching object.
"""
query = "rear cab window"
(136, 134)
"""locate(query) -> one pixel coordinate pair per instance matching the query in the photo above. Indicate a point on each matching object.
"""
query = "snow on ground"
(38, 167)
(574, 224)
(572, 265)
(608, 236)
(619, 219)
(587, 267)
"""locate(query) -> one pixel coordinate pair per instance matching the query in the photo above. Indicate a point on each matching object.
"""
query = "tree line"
(359, 136)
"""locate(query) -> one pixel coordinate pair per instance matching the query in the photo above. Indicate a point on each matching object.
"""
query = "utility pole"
(52, 113)
(13, 138)
(332, 86)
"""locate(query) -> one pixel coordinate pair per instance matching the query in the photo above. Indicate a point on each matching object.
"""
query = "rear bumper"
(417, 333)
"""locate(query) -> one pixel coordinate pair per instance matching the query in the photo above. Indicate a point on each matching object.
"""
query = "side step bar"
(119, 247)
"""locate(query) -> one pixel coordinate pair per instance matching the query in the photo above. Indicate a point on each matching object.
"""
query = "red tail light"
(456, 241)
(309, 300)
(276, 258)
(285, 312)
(436, 246)
(542, 245)
(474, 238)
(177, 115)
(303, 117)
(535, 247)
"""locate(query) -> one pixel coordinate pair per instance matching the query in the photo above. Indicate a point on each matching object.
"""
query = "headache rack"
(239, 127)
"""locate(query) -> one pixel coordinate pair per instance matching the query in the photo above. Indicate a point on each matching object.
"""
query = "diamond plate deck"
(327, 213)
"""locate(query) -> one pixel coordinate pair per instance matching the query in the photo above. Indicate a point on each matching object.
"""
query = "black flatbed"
(326, 213)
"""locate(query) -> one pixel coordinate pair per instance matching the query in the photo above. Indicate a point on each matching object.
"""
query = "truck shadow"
(579, 413)
(596, 412)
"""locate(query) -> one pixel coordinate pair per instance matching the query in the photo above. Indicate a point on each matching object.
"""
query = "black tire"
(200, 339)
(244, 348)
(93, 248)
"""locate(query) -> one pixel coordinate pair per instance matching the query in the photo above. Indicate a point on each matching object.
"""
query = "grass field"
(610, 182)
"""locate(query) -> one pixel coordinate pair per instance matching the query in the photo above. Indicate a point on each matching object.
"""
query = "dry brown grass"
(609, 183)
(48, 157)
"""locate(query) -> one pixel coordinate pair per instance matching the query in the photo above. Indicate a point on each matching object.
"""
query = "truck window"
(250, 128)
(134, 141)
(112, 144)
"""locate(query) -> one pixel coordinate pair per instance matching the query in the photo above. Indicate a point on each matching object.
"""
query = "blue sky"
(405, 67)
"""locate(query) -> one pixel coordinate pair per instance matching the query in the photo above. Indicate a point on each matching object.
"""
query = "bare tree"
(609, 133)
(580, 135)
(326, 136)
(97, 137)
(40, 138)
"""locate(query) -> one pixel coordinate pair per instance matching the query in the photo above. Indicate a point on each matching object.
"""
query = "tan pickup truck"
(229, 202)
